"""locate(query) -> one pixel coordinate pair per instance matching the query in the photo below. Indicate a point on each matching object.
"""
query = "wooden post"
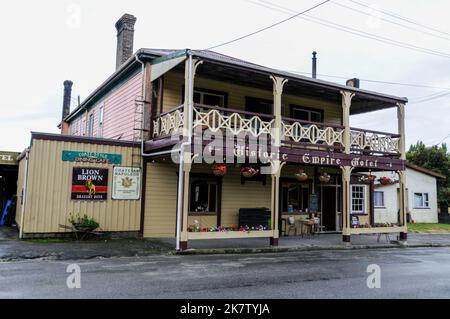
(346, 104)
(276, 165)
(402, 202)
(401, 129)
(346, 202)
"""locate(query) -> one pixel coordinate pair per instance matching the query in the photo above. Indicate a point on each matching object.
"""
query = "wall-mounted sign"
(355, 221)
(92, 157)
(313, 203)
(8, 158)
(126, 182)
(89, 183)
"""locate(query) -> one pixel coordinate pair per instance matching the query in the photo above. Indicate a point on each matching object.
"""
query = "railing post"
(346, 104)
(346, 202)
(401, 130)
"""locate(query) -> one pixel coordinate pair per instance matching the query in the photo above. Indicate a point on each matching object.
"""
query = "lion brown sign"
(89, 183)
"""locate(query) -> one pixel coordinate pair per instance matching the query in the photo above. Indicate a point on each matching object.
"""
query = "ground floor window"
(358, 199)
(378, 199)
(421, 200)
(203, 196)
(295, 197)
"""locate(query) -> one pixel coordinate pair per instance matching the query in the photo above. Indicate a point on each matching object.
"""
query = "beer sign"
(89, 183)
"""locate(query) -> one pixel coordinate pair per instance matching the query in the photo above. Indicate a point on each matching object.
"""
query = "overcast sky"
(45, 42)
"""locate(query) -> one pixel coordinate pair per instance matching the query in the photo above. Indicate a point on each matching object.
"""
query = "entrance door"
(329, 208)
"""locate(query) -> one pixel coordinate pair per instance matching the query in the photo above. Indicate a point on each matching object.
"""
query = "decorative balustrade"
(235, 121)
(374, 142)
(312, 133)
(169, 123)
(293, 131)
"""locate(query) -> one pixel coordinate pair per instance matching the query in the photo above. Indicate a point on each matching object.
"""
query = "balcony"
(294, 133)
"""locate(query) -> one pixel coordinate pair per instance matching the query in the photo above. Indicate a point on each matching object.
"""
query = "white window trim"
(425, 203)
(101, 119)
(90, 124)
(363, 212)
(383, 204)
(203, 93)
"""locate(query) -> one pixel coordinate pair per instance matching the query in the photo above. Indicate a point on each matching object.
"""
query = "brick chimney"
(125, 38)
(66, 104)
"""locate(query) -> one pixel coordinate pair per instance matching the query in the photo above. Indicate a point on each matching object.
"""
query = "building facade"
(231, 149)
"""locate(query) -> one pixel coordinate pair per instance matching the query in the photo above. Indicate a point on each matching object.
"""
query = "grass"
(429, 228)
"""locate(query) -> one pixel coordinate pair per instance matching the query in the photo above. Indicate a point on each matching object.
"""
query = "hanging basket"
(301, 176)
(324, 178)
(219, 170)
(248, 171)
(385, 181)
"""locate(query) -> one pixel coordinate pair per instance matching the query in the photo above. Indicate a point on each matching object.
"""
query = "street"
(405, 273)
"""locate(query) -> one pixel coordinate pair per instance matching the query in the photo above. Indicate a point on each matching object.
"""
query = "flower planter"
(301, 176)
(219, 170)
(248, 171)
(324, 178)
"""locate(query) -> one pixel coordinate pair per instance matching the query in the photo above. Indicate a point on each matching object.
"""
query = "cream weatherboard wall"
(48, 192)
(173, 93)
(416, 182)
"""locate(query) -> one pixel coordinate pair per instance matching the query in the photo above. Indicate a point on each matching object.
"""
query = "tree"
(435, 158)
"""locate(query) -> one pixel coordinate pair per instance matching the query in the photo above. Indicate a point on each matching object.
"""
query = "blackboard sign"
(355, 220)
(313, 203)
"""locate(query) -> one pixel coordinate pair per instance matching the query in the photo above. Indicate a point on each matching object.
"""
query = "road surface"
(405, 273)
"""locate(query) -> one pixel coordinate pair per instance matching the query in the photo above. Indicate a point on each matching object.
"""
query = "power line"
(390, 21)
(377, 81)
(268, 27)
(367, 35)
(438, 96)
(397, 16)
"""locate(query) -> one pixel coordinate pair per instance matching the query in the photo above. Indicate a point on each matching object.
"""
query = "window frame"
(309, 110)
(83, 125)
(209, 182)
(363, 199)
(383, 205)
(207, 91)
(101, 119)
(425, 203)
(91, 121)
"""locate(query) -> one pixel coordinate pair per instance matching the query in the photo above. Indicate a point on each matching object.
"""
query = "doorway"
(329, 208)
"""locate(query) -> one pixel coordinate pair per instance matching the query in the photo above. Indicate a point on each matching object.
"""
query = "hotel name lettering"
(327, 160)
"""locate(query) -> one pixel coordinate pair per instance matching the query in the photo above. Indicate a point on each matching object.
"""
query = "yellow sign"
(8, 158)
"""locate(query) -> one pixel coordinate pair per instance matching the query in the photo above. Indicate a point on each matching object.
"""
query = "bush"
(84, 222)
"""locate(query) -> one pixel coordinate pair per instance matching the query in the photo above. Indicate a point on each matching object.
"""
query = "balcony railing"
(293, 132)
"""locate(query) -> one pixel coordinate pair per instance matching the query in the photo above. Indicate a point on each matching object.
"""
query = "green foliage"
(83, 222)
(435, 158)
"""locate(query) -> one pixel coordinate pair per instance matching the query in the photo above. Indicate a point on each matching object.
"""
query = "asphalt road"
(405, 273)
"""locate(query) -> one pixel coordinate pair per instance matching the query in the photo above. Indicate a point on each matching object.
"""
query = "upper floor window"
(421, 200)
(358, 199)
(91, 125)
(306, 114)
(100, 120)
(378, 199)
(257, 105)
(83, 125)
(209, 97)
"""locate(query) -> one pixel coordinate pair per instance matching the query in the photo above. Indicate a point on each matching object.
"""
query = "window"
(306, 114)
(100, 121)
(421, 200)
(91, 125)
(295, 197)
(257, 105)
(83, 125)
(209, 98)
(358, 199)
(203, 197)
(378, 199)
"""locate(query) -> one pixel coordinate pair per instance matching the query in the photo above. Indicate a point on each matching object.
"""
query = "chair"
(291, 224)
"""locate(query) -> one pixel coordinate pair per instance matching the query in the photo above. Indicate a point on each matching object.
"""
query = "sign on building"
(126, 182)
(89, 183)
(92, 157)
(8, 158)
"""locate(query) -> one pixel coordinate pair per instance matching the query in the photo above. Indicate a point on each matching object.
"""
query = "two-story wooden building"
(280, 142)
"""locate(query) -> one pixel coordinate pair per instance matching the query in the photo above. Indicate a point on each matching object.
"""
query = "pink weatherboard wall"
(118, 112)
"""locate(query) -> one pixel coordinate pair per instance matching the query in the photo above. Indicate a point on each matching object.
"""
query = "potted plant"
(301, 176)
(367, 178)
(83, 223)
(219, 169)
(324, 178)
(248, 171)
(384, 180)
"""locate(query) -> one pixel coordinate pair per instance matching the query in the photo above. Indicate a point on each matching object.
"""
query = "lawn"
(429, 228)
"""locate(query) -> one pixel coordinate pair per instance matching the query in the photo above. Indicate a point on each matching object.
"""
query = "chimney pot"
(353, 83)
(125, 38)
(314, 65)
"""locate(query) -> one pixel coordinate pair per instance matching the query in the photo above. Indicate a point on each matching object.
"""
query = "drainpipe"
(25, 178)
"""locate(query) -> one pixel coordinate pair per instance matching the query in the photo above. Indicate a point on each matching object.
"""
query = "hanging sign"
(126, 182)
(89, 183)
(92, 157)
